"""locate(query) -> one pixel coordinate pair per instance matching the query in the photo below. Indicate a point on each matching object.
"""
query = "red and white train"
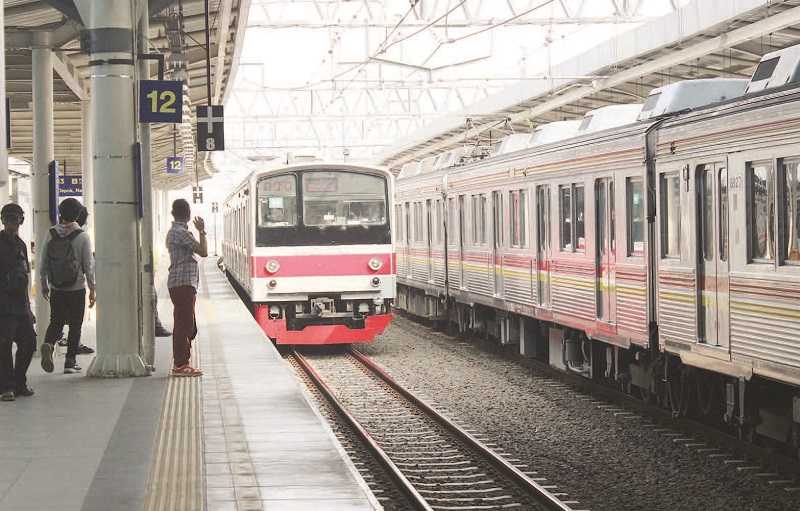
(660, 252)
(311, 247)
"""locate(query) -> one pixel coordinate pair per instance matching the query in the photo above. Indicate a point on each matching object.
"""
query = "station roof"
(177, 30)
(702, 39)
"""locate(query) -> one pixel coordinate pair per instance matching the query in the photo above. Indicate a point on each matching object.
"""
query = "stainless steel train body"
(663, 256)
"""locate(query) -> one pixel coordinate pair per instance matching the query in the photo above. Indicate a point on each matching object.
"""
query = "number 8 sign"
(161, 101)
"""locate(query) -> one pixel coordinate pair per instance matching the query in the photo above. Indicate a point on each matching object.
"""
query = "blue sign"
(161, 101)
(175, 165)
(70, 186)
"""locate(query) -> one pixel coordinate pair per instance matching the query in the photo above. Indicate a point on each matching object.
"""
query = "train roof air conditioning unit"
(690, 94)
(553, 132)
(427, 164)
(409, 169)
(513, 142)
(776, 69)
(609, 117)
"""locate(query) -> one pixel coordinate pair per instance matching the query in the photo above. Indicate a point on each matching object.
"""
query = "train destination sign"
(175, 164)
(161, 101)
(210, 128)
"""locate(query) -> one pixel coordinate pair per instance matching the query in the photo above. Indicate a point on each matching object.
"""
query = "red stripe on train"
(323, 265)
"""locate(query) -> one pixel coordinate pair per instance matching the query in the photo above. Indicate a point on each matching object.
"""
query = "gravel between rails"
(606, 462)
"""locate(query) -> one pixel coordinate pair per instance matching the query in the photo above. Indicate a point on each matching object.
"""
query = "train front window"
(277, 201)
(343, 198)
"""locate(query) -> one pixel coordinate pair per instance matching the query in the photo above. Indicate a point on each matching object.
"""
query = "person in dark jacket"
(16, 318)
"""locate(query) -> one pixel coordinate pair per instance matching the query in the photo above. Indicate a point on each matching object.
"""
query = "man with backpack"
(66, 266)
(16, 318)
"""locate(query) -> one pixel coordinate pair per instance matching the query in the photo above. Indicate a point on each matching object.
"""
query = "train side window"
(452, 221)
(418, 233)
(670, 186)
(761, 211)
(440, 220)
(789, 209)
(517, 203)
(482, 220)
(277, 201)
(479, 219)
(475, 216)
(565, 216)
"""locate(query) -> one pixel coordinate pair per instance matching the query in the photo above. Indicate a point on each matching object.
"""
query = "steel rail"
(534, 490)
(405, 485)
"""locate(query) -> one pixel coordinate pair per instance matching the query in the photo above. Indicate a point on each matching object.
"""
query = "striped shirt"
(182, 265)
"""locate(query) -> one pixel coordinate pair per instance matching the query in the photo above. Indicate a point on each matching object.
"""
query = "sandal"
(186, 370)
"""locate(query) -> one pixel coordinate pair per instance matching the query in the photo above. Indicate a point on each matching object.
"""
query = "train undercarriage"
(757, 410)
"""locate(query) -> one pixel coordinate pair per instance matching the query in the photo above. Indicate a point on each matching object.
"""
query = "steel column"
(4, 179)
(147, 262)
(43, 154)
(87, 165)
(114, 127)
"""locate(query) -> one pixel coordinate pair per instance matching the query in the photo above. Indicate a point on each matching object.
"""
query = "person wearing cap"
(16, 318)
(66, 267)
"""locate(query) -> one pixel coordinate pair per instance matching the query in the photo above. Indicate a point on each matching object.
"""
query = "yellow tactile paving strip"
(176, 480)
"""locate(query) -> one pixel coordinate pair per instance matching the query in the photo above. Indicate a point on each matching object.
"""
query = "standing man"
(16, 318)
(66, 266)
(183, 279)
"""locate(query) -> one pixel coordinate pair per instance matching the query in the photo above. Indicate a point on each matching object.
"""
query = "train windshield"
(343, 198)
(322, 207)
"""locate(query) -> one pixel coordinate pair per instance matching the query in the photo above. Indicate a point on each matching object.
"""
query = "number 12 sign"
(161, 101)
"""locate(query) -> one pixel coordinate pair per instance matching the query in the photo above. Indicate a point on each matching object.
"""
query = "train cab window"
(789, 210)
(517, 203)
(571, 215)
(761, 211)
(670, 188)
(343, 198)
(277, 201)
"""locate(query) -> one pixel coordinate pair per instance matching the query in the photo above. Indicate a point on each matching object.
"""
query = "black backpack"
(63, 267)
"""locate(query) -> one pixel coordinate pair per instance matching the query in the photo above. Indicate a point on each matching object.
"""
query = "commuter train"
(310, 246)
(654, 247)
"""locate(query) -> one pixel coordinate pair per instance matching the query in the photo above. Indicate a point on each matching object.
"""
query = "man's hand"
(46, 294)
(91, 298)
(199, 224)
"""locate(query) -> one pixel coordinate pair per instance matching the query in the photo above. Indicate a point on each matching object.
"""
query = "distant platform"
(243, 437)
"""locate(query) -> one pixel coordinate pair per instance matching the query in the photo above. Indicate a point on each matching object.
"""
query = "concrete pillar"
(5, 182)
(147, 269)
(43, 154)
(87, 165)
(110, 35)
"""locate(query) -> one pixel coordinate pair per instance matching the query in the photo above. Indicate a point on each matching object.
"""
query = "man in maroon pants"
(182, 282)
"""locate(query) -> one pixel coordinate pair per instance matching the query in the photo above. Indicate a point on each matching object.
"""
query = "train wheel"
(680, 389)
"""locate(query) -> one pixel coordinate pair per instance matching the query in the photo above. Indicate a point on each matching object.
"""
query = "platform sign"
(70, 186)
(175, 165)
(161, 101)
(197, 194)
(210, 128)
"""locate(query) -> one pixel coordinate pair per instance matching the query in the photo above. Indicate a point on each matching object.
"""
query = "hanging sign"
(210, 128)
(161, 101)
(175, 164)
(70, 186)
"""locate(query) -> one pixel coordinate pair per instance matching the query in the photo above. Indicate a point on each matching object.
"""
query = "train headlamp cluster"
(375, 264)
(272, 266)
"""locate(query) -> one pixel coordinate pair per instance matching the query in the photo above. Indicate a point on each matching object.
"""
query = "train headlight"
(375, 264)
(272, 266)
(272, 283)
(376, 282)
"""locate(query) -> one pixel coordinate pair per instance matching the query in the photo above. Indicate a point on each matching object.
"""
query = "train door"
(605, 248)
(429, 238)
(712, 257)
(496, 257)
(461, 241)
(543, 254)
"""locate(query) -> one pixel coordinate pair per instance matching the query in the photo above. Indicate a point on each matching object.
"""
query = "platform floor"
(243, 437)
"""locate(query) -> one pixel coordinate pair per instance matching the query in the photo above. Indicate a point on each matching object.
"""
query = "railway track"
(436, 464)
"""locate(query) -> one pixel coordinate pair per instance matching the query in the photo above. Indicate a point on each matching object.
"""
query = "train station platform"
(243, 437)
